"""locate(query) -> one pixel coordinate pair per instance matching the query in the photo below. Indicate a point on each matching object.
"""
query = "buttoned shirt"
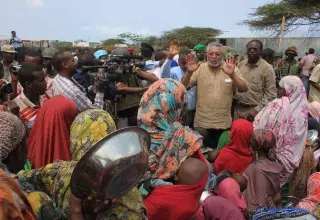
(72, 90)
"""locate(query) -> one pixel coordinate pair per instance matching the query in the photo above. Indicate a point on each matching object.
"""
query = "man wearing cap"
(48, 69)
(289, 65)
(8, 61)
(147, 52)
(200, 52)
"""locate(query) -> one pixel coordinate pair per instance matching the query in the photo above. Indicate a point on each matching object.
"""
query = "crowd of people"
(228, 133)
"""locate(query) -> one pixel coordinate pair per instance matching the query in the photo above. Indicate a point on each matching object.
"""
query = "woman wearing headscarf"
(314, 116)
(236, 156)
(87, 129)
(49, 139)
(287, 118)
(215, 207)
(162, 113)
(18, 199)
(312, 201)
(263, 174)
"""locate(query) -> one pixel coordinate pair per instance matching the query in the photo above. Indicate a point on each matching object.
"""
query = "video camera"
(116, 69)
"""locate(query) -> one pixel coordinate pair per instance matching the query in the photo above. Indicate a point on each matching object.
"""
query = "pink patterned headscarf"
(287, 118)
(314, 110)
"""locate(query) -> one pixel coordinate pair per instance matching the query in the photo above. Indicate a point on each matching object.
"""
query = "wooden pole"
(282, 30)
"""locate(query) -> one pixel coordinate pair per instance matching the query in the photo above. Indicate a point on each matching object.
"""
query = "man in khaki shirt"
(315, 85)
(261, 80)
(215, 81)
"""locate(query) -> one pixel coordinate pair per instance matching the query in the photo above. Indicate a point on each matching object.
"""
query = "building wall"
(303, 44)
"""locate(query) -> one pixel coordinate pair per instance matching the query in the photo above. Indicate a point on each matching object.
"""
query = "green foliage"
(112, 41)
(64, 44)
(188, 36)
(131, 38)
(297, 13)
(191, 36)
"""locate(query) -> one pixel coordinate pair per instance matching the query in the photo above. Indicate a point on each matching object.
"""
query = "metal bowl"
(113, 166)
(312, 136)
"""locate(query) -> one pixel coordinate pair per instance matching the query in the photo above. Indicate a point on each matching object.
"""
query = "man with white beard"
(215, 81)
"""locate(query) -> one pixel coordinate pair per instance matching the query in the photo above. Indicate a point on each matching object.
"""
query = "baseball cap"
(100, 53)
(49, 52)
(8, 49)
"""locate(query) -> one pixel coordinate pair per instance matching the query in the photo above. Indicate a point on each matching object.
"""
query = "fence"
(303, 44)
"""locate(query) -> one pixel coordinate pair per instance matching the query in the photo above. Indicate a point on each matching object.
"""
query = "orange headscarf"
(13, 203)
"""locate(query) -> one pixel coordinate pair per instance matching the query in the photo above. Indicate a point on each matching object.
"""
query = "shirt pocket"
(256, 84)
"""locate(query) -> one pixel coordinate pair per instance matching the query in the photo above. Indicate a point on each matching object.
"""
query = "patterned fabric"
(287, 213)
(12, 133)
(54, 179)
(311, 202)
(69, 89)
(314, 110)
(287, 118)
(161, 113)
(266, 140)
(13, 203)
(88, 128)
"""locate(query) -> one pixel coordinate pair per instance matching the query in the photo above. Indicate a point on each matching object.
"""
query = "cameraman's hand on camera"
(174, 49)
(99, 87)
(14, 77)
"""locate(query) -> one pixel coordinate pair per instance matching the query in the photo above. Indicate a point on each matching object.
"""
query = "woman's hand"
(87, 209)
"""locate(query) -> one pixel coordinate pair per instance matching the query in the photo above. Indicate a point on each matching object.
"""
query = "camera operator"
(82, 79)
(8, 61)
(64, 84)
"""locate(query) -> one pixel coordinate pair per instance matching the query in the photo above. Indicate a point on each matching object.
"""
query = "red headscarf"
(237, 156)
(49, 139)
(175, 201)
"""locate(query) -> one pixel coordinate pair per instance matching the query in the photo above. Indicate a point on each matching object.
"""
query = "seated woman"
(312, 201)
(314, 116)
(19, 200)
(215, 207)
(88, 128)
(263, 174)
(236, 156)
(287, 118)
(314, 110)
(49, 138)
(162, 113)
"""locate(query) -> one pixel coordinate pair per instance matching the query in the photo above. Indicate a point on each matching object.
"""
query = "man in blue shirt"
(176, 73)
(16, 42)
(147, 52)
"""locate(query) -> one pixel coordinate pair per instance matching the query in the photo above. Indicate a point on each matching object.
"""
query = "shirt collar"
(29, 103)
(256, 64)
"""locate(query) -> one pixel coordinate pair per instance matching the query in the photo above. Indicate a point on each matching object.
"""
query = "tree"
(112, 41)
(191, 36)
(64, 44)
(297, 13)
(131, 38)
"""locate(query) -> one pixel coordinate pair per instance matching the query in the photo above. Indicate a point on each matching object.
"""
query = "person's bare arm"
(147, 76)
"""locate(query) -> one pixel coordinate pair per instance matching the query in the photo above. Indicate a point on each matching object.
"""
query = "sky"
(97, 20)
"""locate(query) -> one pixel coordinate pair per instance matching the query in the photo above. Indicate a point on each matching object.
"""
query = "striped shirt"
(28, 110)
(74, 91)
